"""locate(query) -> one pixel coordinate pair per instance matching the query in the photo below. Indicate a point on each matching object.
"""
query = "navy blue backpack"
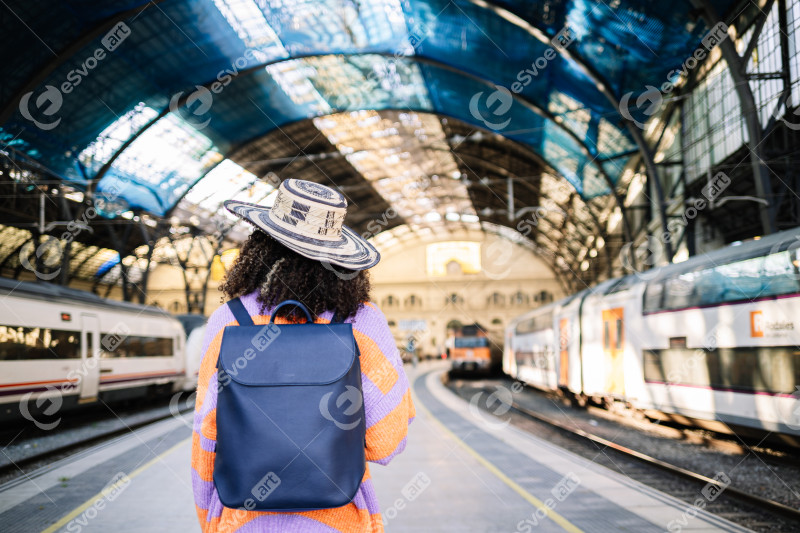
(290, 415)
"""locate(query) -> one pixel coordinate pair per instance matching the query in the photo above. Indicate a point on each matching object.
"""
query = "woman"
(300, 250)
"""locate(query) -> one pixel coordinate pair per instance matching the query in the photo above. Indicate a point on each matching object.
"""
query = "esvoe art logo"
(43, 109)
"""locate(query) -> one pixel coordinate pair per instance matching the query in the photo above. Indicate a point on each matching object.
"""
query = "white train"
(709, 340)
(61, 348)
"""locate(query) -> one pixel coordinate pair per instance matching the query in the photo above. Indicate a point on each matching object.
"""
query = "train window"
(537, 323)
(772, 275)
(754, 369)
(136, 346)
(20, 343)
(622, 285)
(471, 342)
(606, 336)
(619, 332)
(653, 296)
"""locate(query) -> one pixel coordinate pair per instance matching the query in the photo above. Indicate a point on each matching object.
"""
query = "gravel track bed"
(777, 480)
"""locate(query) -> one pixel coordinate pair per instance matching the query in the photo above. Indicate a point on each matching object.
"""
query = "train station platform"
(463, 470)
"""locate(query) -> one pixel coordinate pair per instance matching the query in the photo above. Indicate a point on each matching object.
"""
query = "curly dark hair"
(282, 274)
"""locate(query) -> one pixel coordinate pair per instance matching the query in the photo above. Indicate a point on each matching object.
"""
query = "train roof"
(57, 293)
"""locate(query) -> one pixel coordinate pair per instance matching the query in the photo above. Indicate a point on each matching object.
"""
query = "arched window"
(497, 322)
(496, 300)
(390, 301)
(520, 298)
(413, 301)
(454, 324)
(454, 299)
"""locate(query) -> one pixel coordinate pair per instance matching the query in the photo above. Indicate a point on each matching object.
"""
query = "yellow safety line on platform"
(536, 502)
(88, 503)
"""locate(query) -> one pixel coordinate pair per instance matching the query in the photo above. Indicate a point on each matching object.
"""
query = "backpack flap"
(268, 355)
(290, 417)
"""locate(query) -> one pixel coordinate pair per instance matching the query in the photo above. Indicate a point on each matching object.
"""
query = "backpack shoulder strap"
(240, 313)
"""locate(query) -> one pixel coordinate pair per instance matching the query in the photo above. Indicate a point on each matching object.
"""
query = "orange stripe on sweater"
(412, 411)
(348, 519)
(384, 436)
(208, 367)
(202, 460)
(209, 426)
(374, 363)
(201, 515)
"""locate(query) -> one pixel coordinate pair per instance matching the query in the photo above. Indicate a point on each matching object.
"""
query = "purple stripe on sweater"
(216, 322)
(371, 322)
(209, 404)
(210, 399)
(376, 404)
(203, 490)
(208, 445)
(215, 507)
(366, 498)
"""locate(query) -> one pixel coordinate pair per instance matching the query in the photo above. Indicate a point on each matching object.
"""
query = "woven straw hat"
(308, 217)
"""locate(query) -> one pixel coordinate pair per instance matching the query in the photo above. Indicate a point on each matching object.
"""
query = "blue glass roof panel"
(236, 69)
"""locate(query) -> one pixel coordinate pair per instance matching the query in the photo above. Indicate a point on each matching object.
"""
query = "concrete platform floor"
(463, 470)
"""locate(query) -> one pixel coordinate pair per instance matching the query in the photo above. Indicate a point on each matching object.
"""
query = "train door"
(563, 352)
(613, 346)
(90, 358)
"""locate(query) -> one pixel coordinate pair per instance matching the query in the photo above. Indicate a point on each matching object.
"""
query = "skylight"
(406, 157)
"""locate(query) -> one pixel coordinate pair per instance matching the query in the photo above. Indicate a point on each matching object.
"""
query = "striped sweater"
(388, 408)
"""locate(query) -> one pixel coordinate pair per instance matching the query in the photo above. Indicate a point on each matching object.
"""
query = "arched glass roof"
(145, 99)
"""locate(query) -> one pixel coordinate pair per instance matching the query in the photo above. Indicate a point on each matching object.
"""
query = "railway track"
(22, 464)
(746, 497)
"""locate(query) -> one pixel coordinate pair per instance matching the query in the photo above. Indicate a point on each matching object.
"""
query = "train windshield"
(471, 342)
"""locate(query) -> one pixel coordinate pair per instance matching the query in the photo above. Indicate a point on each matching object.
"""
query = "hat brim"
(351, 251)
